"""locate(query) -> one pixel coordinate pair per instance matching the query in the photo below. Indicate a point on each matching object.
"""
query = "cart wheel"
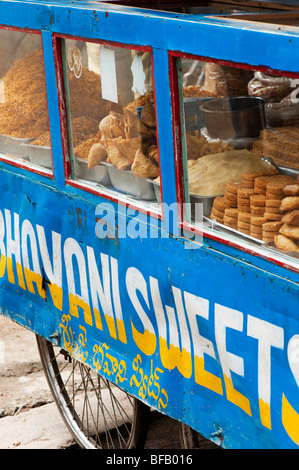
(98, 414)
(191, 439)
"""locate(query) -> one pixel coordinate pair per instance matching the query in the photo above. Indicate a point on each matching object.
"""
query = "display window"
(24, 124)
(111, 120)
(240, 153)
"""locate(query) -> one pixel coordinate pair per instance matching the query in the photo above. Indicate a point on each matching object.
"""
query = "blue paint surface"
(160, 285)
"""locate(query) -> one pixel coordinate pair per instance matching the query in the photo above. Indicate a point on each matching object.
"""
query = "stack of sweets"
(230, 218)
(231, 193)
(249, 177)
(230, 198)
(270, 230)
(253, 206)
(219, 206)
(256, 226)
(244, 195)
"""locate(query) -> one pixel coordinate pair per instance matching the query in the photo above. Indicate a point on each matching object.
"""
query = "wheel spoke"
(98, 413)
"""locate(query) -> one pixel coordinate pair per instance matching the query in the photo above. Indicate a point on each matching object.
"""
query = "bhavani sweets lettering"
(29, 256)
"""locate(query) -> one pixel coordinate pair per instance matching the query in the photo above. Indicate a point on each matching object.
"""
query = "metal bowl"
(200, 205)
(194, 116)
(234, 117)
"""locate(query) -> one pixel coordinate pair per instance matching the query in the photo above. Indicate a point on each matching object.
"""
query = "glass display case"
(24, 123)
(149, 222)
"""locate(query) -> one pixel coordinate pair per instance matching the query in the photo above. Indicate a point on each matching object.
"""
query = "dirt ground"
(29, 419)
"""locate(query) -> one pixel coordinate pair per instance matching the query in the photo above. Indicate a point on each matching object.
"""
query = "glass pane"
(242, 142)
(112, 118)
(24, 125)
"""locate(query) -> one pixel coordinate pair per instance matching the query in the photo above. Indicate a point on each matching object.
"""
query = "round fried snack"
(258, 200)
(232, 186)
(220, 204)
(272, 216)
(273, 203)
(243, 225)
(231, 212)
(244, 216)
(218, 213)
(258, 220)
(245, 192)
(229, 220)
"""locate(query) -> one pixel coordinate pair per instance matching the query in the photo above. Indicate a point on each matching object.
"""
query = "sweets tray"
(126, 182)
(38, 155)
(206, 203)
(97, 174)
(14, 146)
(224, 228)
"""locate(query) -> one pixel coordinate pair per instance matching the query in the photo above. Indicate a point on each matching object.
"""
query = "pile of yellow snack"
(261, 206)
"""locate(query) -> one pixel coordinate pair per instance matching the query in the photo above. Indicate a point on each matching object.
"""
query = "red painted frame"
(15, 163)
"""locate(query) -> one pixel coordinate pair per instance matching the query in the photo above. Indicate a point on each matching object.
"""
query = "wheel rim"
(97, 413)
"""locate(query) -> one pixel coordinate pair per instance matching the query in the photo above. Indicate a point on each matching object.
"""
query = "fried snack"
(273, 203)
(82, 150)
(231, 212)
(98, 153)
(245, 231)
(243, 225)
(256, 229)
(144, 166)
(257, 210)
(140, 101)
(285, 243)
(220, 204)
(289, 203)
(131, 124)
(232, 186)
(291, 217)
(230, 221)
(121, 151)
(148, 114)
(218, 213)
(272, 226)
(244, 216)
(274, 210)
(291, 190)
(290, 231)
(261, 182)
(112, 126)
(257, 200)
(274, 196)
(196, 91)
(230, 198)
(272, 216)
(213, 216)
(153, 153)
(275, 187)
(257, 235)
(258, 220)
(268, 237)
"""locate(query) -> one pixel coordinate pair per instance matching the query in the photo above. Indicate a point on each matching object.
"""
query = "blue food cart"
(149, 213)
